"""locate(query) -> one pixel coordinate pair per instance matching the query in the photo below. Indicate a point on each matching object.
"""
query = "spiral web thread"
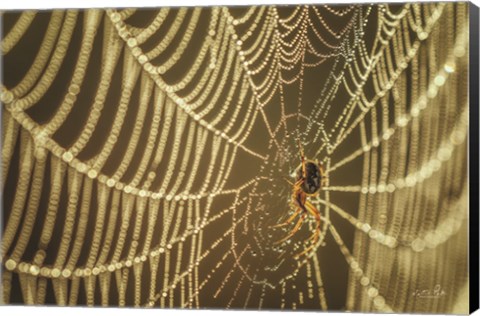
(158, 213)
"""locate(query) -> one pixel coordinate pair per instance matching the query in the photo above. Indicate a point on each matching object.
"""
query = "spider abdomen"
(313, 177)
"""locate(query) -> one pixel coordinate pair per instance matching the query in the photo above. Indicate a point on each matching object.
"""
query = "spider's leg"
(307, 250)
(294, 230)
(290, 182)
(314, 211)
(290, 219)
(315, 236)
(296, 199)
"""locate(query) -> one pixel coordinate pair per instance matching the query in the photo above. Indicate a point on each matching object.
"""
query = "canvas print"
(295, 157)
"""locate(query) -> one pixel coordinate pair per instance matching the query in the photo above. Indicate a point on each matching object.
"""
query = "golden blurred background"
(145, 154)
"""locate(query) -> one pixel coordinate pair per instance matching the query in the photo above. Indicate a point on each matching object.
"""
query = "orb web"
(146, 152)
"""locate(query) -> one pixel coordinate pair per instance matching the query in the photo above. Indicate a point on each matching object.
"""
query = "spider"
(310, 178)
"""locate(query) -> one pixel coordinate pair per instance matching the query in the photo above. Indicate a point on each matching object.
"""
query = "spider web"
(145, 154)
